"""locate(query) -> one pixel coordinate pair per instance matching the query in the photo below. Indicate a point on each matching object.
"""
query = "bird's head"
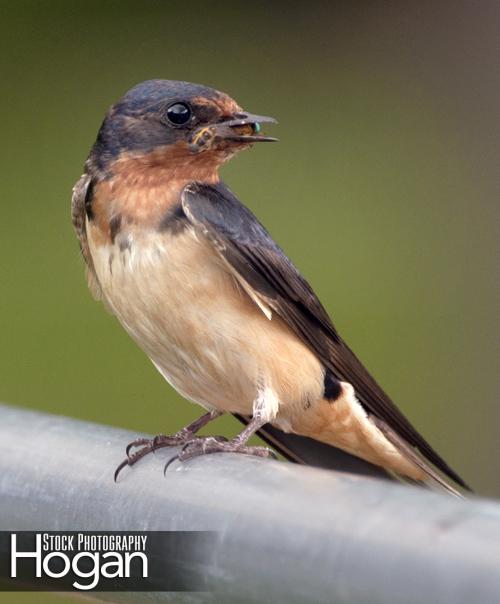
(165, 121)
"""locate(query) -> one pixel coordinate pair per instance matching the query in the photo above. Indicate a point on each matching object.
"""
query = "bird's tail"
(431, 478)
(343, 424)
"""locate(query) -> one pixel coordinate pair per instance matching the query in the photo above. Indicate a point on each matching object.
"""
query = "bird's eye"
(179, 113)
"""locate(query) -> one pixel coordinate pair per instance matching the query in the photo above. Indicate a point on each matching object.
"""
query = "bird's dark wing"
(252, 254)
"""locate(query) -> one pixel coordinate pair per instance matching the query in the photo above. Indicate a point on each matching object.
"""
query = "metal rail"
(289, 533)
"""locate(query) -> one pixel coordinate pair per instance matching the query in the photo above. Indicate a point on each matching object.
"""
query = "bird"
(214, 302)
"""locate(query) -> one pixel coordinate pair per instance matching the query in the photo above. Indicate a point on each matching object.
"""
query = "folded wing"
(255, 259)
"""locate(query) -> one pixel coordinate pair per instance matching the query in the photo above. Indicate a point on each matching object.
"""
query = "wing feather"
(260, 264)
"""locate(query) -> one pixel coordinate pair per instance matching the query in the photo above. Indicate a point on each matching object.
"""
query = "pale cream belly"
(206, 336)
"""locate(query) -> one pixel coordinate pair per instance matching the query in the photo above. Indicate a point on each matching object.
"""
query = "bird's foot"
(214, 444)
(150, 445)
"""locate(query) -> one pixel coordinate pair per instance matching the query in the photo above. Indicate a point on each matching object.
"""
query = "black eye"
(178, 113)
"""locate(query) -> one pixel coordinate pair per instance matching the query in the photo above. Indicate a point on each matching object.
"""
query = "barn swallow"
(214, 302)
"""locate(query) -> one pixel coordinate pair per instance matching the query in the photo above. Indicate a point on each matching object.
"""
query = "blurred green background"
(384, 190)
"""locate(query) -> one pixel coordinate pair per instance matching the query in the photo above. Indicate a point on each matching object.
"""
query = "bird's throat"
(143, 189)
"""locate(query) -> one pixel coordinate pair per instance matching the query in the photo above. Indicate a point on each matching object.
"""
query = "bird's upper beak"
(244, 128)
(239, 128)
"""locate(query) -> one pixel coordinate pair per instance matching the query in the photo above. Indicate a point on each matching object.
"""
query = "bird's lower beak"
(244, 128)
(240, 128)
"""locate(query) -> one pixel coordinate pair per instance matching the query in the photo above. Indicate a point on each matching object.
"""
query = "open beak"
(244, 128)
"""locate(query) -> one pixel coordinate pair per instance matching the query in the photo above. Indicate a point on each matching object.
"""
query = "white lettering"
(117, 562)
(14, 555)
(53, 556)
(128, 558)
(92, 573)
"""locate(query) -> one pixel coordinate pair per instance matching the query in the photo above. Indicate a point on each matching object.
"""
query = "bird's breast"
(176, 298)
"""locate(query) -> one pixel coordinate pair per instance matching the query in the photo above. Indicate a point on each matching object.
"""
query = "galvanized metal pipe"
(288, 533)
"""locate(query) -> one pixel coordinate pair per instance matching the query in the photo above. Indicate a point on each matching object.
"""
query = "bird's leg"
(182, 437)
(210, 444)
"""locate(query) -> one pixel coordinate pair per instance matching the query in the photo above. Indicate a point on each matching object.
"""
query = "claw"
(124, 463)
(138, 442)
(127, 449)
(170, 462)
